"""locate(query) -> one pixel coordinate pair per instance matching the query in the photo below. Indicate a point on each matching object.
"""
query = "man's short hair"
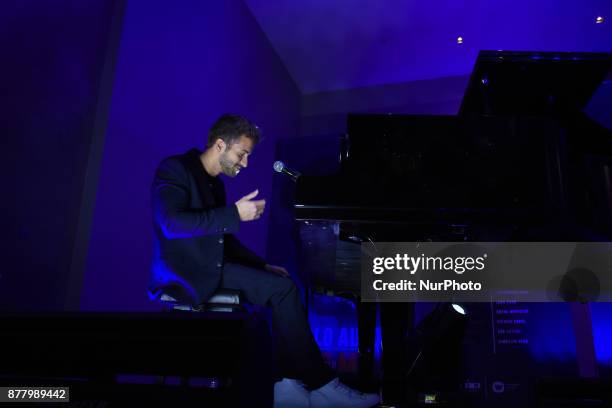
(230, 127)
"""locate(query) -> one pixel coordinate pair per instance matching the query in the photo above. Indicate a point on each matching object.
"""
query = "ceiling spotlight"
(459, 40)
(599, 20)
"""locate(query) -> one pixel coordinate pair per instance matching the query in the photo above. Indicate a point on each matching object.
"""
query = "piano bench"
(224, 300)
(234, 368)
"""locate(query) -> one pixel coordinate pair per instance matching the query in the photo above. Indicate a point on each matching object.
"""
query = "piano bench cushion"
(224, 300)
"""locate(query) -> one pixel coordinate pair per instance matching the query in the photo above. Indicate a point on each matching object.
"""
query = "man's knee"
(285, 287)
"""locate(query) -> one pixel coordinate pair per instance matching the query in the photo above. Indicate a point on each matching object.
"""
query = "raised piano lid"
(528, 83)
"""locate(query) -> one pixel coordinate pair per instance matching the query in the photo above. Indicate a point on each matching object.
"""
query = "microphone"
(280, 167)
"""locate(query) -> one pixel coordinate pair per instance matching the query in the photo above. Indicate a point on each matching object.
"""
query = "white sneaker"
(290, 393)
(334, 394)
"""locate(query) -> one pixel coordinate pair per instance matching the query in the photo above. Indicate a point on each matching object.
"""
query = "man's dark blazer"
(193, 229)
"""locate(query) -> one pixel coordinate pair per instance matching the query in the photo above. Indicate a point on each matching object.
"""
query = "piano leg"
(366, 326)
(396, 319)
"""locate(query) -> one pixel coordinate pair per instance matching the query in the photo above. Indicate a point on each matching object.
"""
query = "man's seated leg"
(299, 354)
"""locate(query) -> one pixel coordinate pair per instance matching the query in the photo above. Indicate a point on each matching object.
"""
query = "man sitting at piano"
(196, 254)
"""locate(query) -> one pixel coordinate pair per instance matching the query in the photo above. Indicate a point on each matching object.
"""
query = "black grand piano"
(521, 161)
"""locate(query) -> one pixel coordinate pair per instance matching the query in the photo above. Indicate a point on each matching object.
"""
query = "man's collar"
(196, 163)
(195, 166)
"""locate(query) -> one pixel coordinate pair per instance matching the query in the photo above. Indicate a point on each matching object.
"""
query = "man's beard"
(227, 166)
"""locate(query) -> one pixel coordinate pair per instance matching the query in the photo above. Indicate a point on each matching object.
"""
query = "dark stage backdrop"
(52, 103)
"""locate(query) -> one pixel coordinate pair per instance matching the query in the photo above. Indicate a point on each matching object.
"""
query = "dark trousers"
(298, 355)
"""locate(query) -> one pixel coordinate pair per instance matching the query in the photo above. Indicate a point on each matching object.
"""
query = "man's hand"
(279, 270)
(250, 210)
